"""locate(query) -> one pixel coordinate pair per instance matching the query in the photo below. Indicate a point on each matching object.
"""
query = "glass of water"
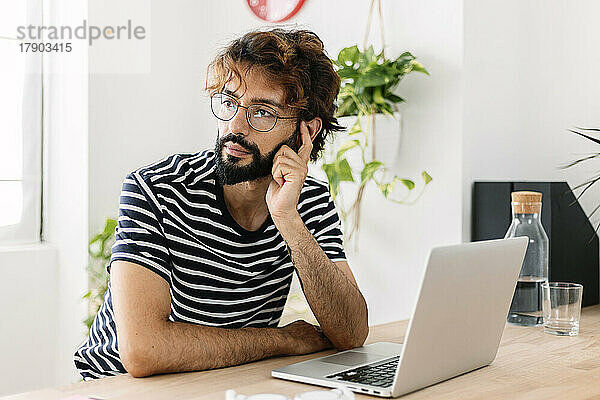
(561, 307)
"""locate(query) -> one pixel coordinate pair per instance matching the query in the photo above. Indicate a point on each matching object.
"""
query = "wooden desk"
(530, 364)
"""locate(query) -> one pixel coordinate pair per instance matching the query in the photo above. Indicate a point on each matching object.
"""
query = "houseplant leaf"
(367, 57)
(348, 107)
(338, 171)
(417, 66)
(332, 177)
(346, 146)
(344, 171)
(369, 170)
(348, 56)
(426, 177)
(386, 188)
(393, 98)
(372, 78)
(408, 183)
(377, 96)
(348, 73)
(356, 128)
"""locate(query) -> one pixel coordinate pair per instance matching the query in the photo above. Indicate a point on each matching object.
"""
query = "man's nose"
(239, 124)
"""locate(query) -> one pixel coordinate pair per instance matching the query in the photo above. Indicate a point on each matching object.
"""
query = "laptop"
(456, 325)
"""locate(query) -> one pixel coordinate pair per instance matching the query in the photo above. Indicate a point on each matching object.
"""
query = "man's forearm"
(336, 302)
(179, 347)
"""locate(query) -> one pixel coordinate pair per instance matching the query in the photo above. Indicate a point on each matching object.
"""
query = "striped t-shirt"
(173, 220)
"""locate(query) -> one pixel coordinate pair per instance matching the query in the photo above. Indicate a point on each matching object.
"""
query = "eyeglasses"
(260, 117)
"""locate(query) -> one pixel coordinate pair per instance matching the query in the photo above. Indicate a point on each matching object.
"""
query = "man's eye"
(228, 103)
(262, 113)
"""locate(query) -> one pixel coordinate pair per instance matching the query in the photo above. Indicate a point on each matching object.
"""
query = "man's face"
(243, 153)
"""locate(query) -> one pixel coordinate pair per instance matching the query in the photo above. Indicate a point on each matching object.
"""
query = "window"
(20, 126)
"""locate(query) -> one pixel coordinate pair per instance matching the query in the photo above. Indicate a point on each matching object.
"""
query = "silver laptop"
(456, 325)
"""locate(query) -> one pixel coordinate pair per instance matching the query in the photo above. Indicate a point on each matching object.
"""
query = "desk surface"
(529, 364)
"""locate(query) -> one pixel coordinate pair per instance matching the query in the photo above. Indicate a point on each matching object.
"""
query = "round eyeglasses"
(260, 117)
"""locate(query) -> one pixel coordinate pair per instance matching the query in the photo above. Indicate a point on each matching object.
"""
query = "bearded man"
(207, 243)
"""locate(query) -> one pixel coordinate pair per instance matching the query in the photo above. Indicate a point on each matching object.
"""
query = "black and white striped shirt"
(173, 220)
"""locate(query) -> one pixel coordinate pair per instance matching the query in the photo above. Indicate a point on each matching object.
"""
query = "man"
(207, 243)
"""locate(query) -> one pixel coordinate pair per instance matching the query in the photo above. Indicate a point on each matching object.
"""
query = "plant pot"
(388, 132)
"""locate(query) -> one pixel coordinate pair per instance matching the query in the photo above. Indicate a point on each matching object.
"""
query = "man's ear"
(314, 127)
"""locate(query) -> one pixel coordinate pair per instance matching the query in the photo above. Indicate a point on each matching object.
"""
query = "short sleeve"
(139, 237)
(328, 232)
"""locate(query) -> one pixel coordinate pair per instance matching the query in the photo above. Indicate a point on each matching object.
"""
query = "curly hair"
(293, 59)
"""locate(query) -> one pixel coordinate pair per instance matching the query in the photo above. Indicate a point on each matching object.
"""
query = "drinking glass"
(561, 307)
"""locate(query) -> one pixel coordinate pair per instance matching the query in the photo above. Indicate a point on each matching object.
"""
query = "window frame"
(29, 229)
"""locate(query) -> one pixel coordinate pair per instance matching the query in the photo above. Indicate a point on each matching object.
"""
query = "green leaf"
(356, 128)
(95, 238)
(426, 177)
(345, 147)
(89, 321)
(348, 73)
(372, 78)
(369, 170)
(348, 56)
(337, 172)
(109, 227)
(377, 97)
(406, 56)
(417, 66)
(367, 57)
(408, 183)
(404, 63)
(344, 171)
(346, 107)
(387, 188)
(387, 109)
(393, 98)
(347, 90)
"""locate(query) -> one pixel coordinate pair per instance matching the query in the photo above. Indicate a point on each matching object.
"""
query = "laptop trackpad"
(351, 358)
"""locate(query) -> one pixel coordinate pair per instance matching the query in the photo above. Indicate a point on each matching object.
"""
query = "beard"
(230, 173)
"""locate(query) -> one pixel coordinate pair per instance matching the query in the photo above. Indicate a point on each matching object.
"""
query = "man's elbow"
(361, 332)
(361, 338)
(138, 370)
(136, 360)
(353, 341)
(349, 344)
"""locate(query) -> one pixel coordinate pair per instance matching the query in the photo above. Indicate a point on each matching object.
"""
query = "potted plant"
(99, 251)
(585, 186)
(368, 83)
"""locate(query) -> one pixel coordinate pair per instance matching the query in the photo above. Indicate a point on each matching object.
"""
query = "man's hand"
(305, 338)
(289, 171)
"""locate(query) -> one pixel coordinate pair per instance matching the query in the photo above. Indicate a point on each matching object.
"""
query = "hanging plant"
(368, 84)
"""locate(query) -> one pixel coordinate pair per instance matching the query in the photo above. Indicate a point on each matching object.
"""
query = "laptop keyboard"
(379, 374)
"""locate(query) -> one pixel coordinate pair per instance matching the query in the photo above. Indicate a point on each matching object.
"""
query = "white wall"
(28, 327)
(530, 73)
(137, 119)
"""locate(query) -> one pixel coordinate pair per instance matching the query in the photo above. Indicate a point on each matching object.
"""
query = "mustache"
(237, 139)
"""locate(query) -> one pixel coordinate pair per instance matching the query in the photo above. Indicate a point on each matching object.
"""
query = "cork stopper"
(526, 202)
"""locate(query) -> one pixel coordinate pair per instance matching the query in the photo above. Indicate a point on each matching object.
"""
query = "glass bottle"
(526, 306)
